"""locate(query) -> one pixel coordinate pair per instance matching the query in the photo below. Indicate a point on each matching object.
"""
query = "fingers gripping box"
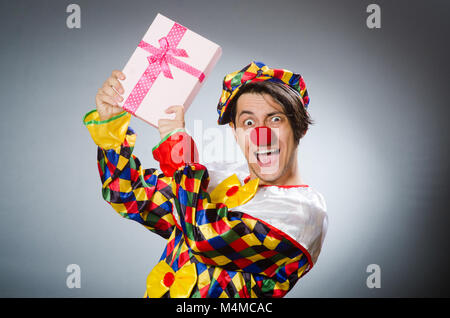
(167, 68)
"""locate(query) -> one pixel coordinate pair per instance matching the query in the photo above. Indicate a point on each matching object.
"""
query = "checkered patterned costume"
(234, 254)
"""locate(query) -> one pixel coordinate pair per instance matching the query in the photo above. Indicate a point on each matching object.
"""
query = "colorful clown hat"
(257, 72)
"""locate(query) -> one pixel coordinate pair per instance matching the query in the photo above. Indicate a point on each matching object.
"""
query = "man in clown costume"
(232, 230)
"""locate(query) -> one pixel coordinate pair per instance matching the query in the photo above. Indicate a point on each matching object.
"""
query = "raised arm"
(142, 195)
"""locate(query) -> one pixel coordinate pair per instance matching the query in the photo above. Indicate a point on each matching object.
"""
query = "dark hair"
(283, 95)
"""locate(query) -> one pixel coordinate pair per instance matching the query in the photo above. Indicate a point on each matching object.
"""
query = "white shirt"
(299, 212)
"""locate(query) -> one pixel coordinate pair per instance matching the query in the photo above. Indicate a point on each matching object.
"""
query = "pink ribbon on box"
(159, 62)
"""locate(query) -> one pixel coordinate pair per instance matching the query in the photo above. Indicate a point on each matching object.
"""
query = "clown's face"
(265, 136)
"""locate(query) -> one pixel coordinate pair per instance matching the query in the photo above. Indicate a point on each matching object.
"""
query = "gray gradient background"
(379, 150)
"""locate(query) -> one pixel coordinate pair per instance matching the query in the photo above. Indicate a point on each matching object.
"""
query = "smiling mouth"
(267, 156)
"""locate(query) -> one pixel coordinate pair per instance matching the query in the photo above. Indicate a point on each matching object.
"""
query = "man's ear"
(304, 133)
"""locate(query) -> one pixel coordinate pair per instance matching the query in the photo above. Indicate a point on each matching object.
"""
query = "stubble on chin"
(267, 179)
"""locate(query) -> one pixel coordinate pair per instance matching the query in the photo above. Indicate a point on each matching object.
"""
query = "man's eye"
(248, 122)
(275, 119)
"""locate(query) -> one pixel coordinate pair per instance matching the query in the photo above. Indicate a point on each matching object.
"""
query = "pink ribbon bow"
(164, 55)
(159, 62)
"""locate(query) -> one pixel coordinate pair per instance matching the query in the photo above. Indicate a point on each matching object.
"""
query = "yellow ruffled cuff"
(107, 134)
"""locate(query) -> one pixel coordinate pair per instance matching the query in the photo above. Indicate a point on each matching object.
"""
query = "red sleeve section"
(176, 151)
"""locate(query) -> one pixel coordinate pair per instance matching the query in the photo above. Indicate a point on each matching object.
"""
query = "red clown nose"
(262, 136)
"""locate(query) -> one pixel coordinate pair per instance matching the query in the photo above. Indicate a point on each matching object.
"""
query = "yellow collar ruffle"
(232, 193)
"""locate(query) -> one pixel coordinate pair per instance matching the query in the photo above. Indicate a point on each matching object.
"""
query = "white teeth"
(263, 152)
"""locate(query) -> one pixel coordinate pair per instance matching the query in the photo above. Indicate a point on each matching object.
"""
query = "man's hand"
(165, 126)
(108, 97)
